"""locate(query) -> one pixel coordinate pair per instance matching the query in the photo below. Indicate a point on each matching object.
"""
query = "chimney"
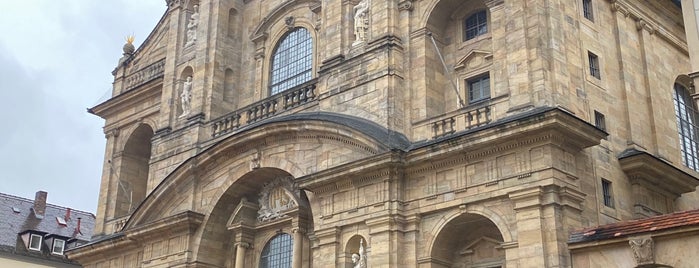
(40, 204)
(67, 217)
(77, 228)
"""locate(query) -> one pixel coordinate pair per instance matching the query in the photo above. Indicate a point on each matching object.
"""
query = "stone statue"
(186, 96)
(192, 27)
(361, 21)
(359, 259)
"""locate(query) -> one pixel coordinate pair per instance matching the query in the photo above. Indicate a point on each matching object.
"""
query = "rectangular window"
(594, 65)
(35, 242)
(587, 10)
(478, 89)
(58, 246)
(607, 193)
(599, 121)
(475, 25)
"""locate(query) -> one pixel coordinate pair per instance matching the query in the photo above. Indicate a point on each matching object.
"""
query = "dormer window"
(58, 246)
(35, 242)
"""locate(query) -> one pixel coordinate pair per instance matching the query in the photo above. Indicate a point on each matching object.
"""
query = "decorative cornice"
(648, 23)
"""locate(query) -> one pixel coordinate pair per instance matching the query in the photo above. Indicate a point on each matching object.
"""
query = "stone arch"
(446, 58)
(132, 179)
(217, 167)
(467, 239)
(686, 82)
(232, 219)
(276, 15)
(352, 247)
(498, 231)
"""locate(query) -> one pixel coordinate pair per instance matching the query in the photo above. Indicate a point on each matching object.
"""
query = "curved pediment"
(261, 31)
(300, 145)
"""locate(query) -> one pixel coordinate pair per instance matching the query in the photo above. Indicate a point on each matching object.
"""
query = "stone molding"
(648, 24)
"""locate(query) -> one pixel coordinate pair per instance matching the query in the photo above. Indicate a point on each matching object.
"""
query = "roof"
(635, 227)
(17, 216)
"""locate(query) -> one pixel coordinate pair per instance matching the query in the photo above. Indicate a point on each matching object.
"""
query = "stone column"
(297, 260)
(240, 254)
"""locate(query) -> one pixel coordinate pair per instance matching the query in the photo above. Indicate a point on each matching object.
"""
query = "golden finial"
(130, 38)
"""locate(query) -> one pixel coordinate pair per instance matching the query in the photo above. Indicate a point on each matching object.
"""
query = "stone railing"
(144, 75)
(118, 223)
(266, 108)
(462, 120)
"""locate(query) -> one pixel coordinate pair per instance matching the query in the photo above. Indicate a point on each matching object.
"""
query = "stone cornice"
(648, 24)
(184, 222)
(127, 99)
(545, 125)
(642, 167)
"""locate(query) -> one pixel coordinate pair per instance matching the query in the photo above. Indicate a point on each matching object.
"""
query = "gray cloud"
(53, 65)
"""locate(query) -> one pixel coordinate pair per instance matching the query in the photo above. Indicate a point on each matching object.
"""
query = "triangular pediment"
(153, 47)
(481, 242)
(474, 59)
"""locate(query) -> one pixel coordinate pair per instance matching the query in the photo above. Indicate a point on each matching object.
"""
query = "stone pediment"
(482, 242)
(474, 59)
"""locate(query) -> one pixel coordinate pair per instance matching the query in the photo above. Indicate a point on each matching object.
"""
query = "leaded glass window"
(278, 252)
(292, 61)
(686, 115)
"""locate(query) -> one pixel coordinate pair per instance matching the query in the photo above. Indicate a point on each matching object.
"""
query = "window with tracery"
(278, 252)
(292, 61)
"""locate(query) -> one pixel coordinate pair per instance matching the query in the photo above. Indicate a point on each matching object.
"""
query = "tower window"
(278, 252)
(478, 89)
(292, 61)
(594, 65)
(475, 25)
(607, 193)
(587, 10)
(599, 121)
(686, 116)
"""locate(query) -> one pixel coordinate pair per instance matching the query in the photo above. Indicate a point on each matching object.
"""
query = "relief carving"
(642, 250)
(276, 198)
(361, 22)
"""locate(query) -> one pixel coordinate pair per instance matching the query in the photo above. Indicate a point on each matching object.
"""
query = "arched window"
(475, 25)
(278, 252)
(292, 61)
(686, 126)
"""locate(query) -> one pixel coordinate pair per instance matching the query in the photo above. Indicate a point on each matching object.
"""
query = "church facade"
(393, 133)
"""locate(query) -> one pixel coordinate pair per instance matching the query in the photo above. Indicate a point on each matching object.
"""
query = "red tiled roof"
(628, 228)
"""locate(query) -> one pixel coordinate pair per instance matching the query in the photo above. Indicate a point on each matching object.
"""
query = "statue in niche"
(192, 27)
(359, 259)
(361, 21)
(186, 96)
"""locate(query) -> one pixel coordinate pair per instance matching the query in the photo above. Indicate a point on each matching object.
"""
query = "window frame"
(53, 246)
(607, 193)
(594, 66)
(287, 75)
(287, 251)
(478, 80)
(32, 238)
(478, 24)
(600, 121)
(588, 10)
(686, 116)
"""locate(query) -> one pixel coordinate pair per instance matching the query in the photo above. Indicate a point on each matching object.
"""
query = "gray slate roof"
(12, 223)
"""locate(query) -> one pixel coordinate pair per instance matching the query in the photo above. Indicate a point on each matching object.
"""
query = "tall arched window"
(686, 126)
(292, 61)
(278, 252)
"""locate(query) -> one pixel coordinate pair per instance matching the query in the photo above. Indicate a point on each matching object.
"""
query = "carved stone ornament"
(642, 250)
(361, 21)
(359, 260)
(289, 21)
(192, 27)
(276, 198)
(186, 97)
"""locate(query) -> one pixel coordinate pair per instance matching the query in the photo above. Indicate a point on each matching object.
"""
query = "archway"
(259, 206)
(468, 240)
(133, 175)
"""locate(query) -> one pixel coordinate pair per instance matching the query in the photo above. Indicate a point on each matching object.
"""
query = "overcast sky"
(56, 58)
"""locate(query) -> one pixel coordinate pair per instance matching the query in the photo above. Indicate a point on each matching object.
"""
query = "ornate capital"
(243, 244)
(643, 25)
(616, 7)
